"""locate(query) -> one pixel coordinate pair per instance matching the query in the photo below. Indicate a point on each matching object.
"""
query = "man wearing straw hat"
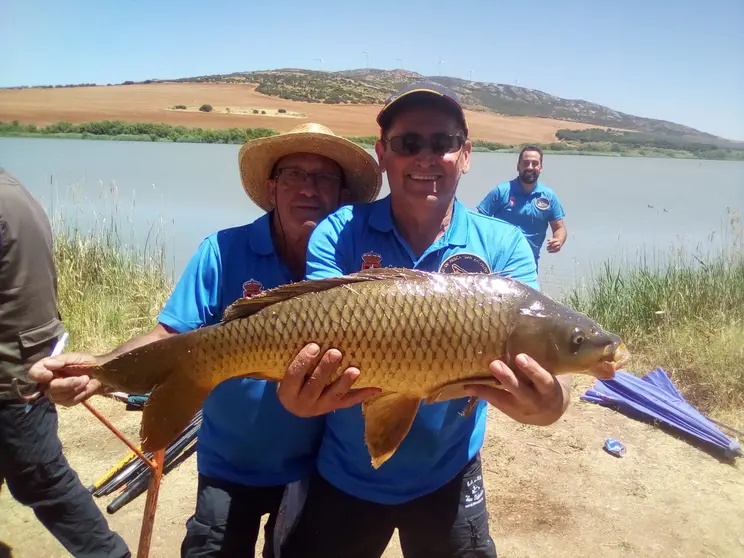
(249, 446)
(431, 490)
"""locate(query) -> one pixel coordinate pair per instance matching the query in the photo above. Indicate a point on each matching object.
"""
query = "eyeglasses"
(298, 177)
(412, 143)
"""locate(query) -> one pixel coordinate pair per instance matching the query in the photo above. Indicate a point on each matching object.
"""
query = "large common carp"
(416, 335)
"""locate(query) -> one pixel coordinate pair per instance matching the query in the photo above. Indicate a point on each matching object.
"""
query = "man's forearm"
(560, 234)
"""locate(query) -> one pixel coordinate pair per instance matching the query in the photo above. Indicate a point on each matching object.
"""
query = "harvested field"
(153, 102)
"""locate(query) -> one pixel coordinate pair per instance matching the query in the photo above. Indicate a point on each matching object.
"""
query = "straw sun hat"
(258, 157)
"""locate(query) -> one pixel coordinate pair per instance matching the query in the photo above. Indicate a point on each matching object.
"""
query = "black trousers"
(39, 476)
(318, 520)
(227, 519)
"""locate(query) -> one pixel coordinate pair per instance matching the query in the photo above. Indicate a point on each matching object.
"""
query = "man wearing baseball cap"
(249, 446)
(432, 488)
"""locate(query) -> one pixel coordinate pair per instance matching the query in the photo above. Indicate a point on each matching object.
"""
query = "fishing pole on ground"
(127, 460)
(136, 468)
(176, 453)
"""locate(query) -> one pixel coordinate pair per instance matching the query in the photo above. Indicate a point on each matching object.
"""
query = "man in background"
(528, 204)
(31, 459)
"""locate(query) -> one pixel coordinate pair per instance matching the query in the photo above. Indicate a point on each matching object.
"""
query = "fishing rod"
(182, 448)
(137, 467)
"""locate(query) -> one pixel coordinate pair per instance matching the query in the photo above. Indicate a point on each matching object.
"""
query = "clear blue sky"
(679, 60)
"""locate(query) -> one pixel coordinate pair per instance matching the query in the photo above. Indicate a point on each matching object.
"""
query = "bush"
(179, 107)
(206, 108)
(282, 111)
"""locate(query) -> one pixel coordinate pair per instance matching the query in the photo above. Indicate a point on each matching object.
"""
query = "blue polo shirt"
(440, 442)
(246, 436)
(530, 212)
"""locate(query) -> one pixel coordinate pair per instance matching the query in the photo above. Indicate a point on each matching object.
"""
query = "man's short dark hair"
(530, 148)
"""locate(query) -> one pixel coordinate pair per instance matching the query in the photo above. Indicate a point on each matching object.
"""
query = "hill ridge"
(372, 85)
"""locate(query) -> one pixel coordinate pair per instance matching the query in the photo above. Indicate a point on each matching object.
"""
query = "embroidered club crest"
(464, 263)
(512, 201)
(543, 204)
(371, 260)
(251, 288)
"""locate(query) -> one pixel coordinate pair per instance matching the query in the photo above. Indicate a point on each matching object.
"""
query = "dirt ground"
(151, 102)
(551, 491)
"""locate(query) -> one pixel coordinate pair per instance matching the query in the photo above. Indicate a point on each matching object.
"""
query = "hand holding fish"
(534, 396)
(66, 391)
(304, 390)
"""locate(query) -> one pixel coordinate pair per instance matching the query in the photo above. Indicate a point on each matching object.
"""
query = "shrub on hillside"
(206, 108)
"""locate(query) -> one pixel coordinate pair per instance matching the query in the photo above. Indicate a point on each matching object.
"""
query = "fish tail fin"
(166, 369)
(140, 370)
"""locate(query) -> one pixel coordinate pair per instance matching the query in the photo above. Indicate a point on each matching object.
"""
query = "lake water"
(616, 208)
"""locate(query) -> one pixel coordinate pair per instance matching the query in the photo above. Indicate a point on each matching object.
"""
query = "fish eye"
(577, 339)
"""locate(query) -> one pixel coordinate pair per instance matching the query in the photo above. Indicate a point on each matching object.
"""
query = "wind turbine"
(365, 53)
(401, 62)
(471, 75)
(321, 61)
(440, 65)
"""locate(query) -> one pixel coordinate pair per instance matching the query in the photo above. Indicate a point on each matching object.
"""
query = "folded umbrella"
(655, 397)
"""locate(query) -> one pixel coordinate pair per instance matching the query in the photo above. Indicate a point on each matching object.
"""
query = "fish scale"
(415, 335)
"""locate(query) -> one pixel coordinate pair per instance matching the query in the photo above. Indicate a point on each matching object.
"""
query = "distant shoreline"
(144, 131)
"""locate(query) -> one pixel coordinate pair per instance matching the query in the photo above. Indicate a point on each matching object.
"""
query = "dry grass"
(705, 362)
(110, 288)
(686, 316)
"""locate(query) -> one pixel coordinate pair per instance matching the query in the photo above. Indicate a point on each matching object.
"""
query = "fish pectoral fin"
(387, 419)
(456, 390)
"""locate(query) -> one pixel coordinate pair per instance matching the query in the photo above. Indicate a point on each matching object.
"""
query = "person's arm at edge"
(557, 226)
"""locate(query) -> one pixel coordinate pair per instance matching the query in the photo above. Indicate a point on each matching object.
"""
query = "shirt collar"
(261, 241)
(381, 218)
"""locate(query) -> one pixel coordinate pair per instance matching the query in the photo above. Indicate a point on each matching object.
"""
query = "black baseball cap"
(408, 95)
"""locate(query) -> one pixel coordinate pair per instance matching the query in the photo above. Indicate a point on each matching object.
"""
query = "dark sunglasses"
(412, 143)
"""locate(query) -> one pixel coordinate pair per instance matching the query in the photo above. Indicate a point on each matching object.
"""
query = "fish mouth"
(614, 358)
(621, 356)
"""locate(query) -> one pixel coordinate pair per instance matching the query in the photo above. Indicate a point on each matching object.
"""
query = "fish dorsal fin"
(244, 307)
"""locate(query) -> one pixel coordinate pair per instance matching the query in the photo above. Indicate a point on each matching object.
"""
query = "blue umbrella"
(655, 397)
